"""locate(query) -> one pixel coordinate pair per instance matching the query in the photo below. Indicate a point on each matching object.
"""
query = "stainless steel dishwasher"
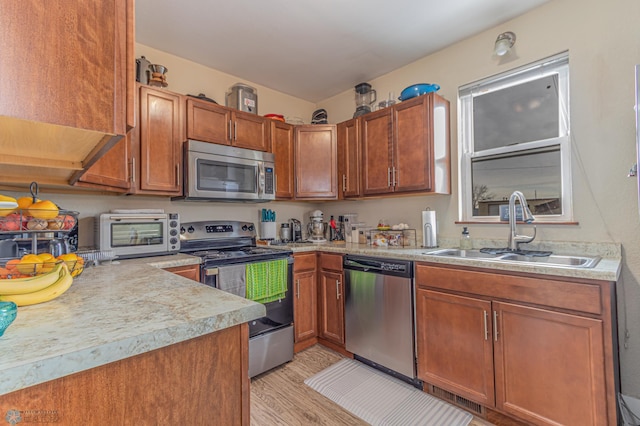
(379, 314)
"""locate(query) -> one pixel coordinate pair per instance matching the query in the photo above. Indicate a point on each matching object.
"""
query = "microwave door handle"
(261, 178)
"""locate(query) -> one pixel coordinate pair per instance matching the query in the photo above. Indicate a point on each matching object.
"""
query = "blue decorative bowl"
(8, 312)
(417, 90)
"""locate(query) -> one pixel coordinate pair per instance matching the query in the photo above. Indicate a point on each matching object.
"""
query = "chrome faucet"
(527, 217)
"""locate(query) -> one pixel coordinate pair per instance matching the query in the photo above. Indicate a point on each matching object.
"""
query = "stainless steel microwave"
(130, 235)
(226, 173)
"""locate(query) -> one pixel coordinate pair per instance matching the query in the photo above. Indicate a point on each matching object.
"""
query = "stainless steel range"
(229, 257)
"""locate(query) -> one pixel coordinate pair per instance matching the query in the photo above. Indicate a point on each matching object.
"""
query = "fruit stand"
(36, 277)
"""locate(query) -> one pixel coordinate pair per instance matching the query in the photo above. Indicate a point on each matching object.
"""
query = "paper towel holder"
(429, 231)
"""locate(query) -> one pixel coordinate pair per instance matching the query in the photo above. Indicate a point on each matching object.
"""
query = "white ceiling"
(314, 49)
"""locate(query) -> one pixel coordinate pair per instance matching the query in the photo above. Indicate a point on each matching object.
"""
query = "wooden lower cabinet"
(305, 302)
(191, 272)
(331, 298)
(465, 364)
(540, 350)
(201, 381)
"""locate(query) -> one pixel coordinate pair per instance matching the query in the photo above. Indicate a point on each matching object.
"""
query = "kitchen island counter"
(113, 312)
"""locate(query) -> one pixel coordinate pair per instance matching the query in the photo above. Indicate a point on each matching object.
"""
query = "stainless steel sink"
(472, 254)
(552, 260)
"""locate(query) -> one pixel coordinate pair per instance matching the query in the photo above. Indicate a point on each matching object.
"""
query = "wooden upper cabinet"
(209, 122)
(349, 158)
(405, 148)
(67, 87)
(282, 148)
(316, 162)
(66, 64)
(376, 152)
(412, 146)
(250, 131)
(158, 165)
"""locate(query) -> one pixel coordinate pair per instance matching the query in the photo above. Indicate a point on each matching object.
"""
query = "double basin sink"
(515, 257)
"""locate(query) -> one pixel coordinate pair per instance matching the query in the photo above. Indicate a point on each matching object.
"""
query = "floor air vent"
(457, 400)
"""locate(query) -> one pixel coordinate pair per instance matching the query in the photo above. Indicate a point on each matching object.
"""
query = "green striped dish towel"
(266, 281)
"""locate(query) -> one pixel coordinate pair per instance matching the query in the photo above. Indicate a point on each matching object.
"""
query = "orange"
(4, 273)
(30, 264)
(70, 259)
(43, 210)
(11, 265)
(25, 202)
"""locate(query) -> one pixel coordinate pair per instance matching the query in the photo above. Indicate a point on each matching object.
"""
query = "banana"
(44, 295)
(30, 284)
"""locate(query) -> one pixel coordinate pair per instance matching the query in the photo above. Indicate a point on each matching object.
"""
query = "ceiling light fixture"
(504, 43)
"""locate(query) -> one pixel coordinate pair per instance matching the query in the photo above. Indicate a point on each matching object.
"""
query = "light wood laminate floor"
(280, 397)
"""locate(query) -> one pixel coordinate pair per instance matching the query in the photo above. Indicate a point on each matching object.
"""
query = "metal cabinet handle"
(338, 294)
(486, 329)
(298, 288)
(230, 132)
(395, 182)
(344, 183)
(495, 326)
(235, 130)
(178, 175)
(389, 176)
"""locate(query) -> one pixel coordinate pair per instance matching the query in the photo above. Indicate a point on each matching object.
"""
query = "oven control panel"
(216, 229)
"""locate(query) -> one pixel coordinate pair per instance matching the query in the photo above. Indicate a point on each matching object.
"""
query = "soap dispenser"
(465, 240)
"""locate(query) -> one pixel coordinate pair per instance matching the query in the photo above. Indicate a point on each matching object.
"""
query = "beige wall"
(189, 78)
(604, 45)
(603, 40)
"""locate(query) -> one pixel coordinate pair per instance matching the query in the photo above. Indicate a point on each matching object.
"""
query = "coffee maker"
(296, 230)
(317, 227)
(365, 97)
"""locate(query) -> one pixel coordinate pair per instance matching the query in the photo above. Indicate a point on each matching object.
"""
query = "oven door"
(279, 313)
(134, 235)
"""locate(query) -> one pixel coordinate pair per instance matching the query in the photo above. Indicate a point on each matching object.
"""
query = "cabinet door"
(376, 152)
(549, 367)
(412, 145)
(331, 307)
(305, 320)
(208, 122)
(316, 162)
(464, 365)
(160, 158)
(250, 131)
(349, 158)
(66, 64)
(111, 171)
(282, 148)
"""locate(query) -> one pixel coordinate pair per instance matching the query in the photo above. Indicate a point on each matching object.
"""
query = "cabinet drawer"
(569, 295)
(331, 261)
(304, 262)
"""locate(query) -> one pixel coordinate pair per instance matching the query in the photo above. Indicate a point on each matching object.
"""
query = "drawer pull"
(486, 329)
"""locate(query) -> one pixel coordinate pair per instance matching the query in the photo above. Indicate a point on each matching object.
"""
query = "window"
(514, 135)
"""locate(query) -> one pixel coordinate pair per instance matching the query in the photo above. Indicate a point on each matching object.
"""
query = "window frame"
(557, 64)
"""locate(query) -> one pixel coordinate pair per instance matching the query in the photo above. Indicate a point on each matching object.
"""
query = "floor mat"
(380, 399)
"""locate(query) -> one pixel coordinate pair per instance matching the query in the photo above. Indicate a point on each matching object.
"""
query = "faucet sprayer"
(527, 217)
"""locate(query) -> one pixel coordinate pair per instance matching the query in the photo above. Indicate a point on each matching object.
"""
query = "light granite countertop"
(607, 269)
(113, 312)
